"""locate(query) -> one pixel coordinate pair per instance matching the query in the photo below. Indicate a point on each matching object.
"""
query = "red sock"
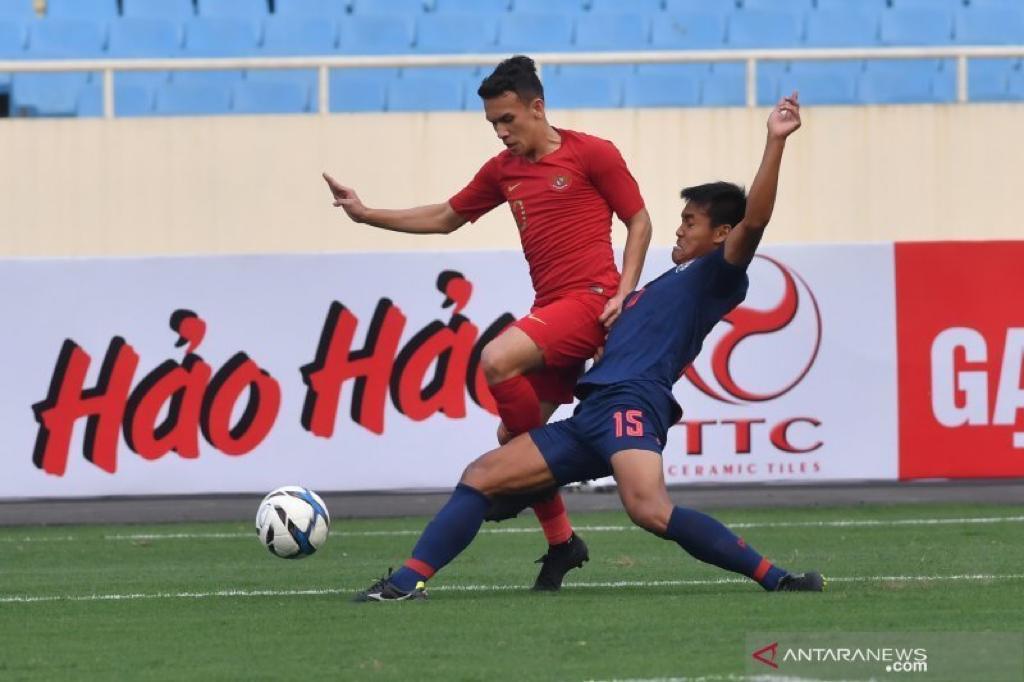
(518, 405)
(554, 520)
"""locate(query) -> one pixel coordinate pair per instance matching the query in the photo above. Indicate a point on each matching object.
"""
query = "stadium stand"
(86, 29)
(144, 37)
(172, 10)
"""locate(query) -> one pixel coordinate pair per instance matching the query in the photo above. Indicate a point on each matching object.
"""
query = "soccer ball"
(292, 522)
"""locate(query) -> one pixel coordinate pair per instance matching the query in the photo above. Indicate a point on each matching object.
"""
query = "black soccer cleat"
(559, 560)
(383, 590)
(811, 581)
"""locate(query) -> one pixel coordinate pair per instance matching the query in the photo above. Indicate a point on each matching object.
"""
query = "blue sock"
(709, 541)
(451, 531)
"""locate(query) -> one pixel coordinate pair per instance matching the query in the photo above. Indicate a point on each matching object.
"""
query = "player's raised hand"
(346, 198)
(785, 117)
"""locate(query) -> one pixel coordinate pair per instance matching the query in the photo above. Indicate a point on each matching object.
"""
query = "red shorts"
(568, 333)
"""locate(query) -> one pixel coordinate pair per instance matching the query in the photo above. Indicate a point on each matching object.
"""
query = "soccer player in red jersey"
(562, 187)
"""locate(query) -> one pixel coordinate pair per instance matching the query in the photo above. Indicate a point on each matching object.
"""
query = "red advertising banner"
(960, 340)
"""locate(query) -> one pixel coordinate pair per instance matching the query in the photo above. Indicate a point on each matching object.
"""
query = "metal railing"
(323, 64)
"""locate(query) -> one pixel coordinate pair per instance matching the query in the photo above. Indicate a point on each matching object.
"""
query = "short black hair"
(516, 74)
(724, 202)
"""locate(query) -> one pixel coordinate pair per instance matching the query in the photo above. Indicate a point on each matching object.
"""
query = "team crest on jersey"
(560, 182)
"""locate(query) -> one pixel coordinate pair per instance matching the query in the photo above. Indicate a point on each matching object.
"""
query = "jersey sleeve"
(726, 279)
(609, 174)
(481, 194)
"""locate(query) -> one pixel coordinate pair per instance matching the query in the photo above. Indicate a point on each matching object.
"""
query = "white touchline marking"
(617, 584)
(743, 525)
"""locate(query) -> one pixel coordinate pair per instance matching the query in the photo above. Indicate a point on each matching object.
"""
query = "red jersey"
(563, 206)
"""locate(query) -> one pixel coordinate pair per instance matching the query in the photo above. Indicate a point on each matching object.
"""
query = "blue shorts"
(609, 420)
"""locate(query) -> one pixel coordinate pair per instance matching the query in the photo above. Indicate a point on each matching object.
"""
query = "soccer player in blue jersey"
(627, 404)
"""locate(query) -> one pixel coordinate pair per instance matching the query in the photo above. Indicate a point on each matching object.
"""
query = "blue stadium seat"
(853, 27)
(295, 35)
(528, 32)
(989, 26)
(768, 75)
(988, 79)
(253, 10)
(713, 6)
(488, 7)
(661, 90)
(455, 33)
(453, 73)
(411, 93)
(890, 87)
(59, 39)
(765, 28)
(916, 26)
(863, 5)
(400, 7)
(633, 6)
(358, 92)
(45, 94)
(618, 32)
(1012, 4)
(846, 69)
(131, 37)
(331, 9)
(725, 89)
(17, 9)
(175, 10)
(791, 6)
(569, 7)
(689, 31)
(820, 87)
(269, 97)
(682, 71)
(129, 100)
(98, 10)
(13, 36)
(215, 37)
(376, 35)
(299, 35)
(608, 71)
(911, 69)
(174, 99)
(948, 6)
(66, 39)
(582, 91)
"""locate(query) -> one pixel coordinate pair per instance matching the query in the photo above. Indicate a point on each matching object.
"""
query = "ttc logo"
(759, 354)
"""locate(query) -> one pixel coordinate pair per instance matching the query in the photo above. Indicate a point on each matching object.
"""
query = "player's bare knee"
(478, 475)
(495, 364)
(649, 514)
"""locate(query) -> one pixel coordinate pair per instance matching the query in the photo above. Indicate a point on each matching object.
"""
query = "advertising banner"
(961, 349)
(361, 371)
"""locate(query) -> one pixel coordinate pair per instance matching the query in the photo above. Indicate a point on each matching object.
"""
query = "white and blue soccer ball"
(292, 522)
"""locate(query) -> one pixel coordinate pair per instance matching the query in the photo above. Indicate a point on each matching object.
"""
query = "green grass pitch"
(206, 601)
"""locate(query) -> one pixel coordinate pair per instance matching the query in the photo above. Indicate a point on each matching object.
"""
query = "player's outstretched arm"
(430, 219)
(742, 241)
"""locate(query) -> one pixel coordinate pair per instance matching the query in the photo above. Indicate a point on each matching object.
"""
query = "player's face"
(696, 235)
(516, 122)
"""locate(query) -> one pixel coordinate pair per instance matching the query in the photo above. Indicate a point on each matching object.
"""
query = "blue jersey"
(663, 325)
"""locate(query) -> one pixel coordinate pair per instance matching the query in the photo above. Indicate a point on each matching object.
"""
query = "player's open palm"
(346, 198)
(785, 117)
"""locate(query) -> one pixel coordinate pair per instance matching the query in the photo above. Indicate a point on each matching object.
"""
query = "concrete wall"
(252, 184)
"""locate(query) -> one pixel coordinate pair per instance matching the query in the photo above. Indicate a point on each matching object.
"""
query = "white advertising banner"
(359, 372)
(799, 382)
